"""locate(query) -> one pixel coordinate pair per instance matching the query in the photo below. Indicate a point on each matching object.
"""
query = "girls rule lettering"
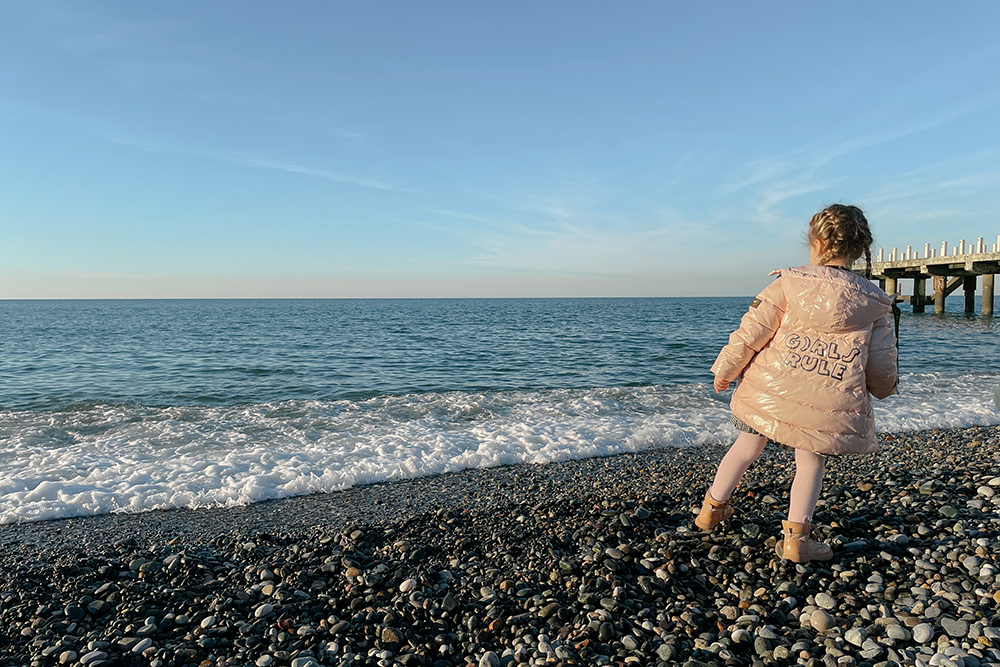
(816, 355)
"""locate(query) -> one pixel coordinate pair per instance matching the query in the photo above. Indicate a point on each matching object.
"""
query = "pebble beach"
(590, 562)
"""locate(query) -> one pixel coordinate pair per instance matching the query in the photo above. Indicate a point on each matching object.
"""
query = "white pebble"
(407, 585)
(264, 610)
(208, 622)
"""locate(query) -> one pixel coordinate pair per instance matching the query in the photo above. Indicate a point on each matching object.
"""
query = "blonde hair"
(844, 232)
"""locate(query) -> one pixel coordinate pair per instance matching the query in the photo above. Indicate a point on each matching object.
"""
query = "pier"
(951, 268)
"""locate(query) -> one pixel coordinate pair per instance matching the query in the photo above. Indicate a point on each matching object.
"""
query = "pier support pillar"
(940, 285)
(969, 285)
(919, 294)
(890, 287)
(987, 294)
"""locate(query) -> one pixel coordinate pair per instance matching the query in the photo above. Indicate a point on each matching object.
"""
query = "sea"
(128, 406)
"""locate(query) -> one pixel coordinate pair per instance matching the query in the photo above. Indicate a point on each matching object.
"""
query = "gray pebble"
(826, 601)
(954, 627)
(142, 645)
(855, 636)
(923, 633)
(93, 656)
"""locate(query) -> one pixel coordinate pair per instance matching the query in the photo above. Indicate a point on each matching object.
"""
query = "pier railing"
(961, 267)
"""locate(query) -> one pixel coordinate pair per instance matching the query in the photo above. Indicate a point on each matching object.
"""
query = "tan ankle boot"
(797, 544)
(713, 512)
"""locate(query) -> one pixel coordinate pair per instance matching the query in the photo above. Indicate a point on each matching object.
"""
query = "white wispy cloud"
(558, 237)
(770, 181)
(975, 171)
(247, 160)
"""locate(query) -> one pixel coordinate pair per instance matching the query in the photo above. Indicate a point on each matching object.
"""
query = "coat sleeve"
(880, 372)
(756, 328)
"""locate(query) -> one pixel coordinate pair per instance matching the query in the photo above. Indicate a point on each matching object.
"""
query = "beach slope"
(586, 562)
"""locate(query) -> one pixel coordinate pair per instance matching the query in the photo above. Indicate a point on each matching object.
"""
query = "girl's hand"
(720, 385)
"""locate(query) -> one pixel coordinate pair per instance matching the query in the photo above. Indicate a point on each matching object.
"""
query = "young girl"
(808, 353)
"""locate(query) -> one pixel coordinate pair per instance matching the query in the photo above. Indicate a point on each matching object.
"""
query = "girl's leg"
(806, 486)
(734, 464)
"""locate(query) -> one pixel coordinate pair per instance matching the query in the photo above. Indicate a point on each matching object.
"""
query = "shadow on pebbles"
(592, 562)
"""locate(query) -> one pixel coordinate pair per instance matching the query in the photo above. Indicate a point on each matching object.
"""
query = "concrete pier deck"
(962, 267)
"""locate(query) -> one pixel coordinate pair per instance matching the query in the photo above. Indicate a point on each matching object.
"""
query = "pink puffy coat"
(808, 353)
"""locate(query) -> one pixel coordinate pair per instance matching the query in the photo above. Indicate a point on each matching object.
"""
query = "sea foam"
(102, 458)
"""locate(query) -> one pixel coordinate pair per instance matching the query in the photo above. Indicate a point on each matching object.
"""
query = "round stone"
(923, 633)
(972, 563)
(954, 627)
(74, 612)
(826, 601)
(821, 620)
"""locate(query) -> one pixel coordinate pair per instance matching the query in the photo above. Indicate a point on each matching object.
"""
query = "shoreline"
(564, 562)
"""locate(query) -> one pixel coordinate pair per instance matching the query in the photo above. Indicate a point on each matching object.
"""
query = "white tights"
(805, 487)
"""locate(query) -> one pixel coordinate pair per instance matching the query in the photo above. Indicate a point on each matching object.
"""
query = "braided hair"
(845, 233)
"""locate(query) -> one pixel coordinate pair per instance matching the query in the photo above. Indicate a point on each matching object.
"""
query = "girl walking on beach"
(809, 354)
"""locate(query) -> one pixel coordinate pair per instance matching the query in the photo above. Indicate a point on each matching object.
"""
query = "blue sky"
(261, 149)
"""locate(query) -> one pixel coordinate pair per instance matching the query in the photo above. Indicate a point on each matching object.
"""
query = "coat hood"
(830, 299)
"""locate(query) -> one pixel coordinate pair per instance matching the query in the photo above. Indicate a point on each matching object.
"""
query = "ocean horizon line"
(371, 298)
